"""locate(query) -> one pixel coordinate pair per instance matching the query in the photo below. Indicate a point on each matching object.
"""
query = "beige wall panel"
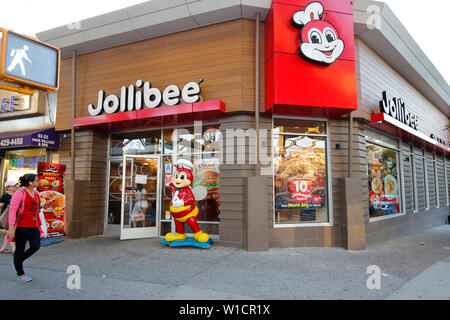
(376, 75)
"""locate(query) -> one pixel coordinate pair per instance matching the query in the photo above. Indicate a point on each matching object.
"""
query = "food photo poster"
(53, 201)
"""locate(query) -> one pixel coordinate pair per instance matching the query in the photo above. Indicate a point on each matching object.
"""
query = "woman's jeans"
(22, 235)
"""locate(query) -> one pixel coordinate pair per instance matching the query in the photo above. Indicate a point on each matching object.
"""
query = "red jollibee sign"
(310, 58)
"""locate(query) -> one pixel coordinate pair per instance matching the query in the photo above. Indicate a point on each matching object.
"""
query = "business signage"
(53, 201)
(319, 40)
(13, 102)
(16, 105)
(27, 61)
(397, 109)
(440, 140)
(47, 138)
(132, 98)
(310, 58)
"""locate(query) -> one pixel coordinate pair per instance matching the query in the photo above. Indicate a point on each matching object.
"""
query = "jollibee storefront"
(315, 132)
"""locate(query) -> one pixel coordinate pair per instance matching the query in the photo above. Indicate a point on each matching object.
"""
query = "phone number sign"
(44, 139)
(11, 142)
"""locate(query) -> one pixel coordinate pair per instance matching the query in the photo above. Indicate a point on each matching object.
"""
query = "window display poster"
(300, 179)
(382, 181)
(207, 174)
(53, 201)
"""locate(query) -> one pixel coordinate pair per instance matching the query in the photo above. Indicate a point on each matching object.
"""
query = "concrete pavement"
(412, 267)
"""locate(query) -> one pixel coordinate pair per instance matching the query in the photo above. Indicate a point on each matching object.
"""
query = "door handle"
(126, 198)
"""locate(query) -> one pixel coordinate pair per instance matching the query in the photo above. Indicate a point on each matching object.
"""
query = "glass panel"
(20, 162)
(185, 141)
(381, 139)
(115, 190)
(383, 183)
(140, 209)
(207, 174)
(212, 138)
(300, 180)
(168, 142)
(127, 204)
(299, 126)
(136, 143)
(190, 141)
(166, 227)
(211, 229)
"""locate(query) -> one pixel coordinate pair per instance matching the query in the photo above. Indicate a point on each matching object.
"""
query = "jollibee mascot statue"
(182, 206)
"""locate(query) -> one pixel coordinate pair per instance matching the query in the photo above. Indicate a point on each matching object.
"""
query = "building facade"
(341, 148)
(27, 133)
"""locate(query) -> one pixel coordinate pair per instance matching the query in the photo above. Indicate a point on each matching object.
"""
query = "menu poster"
(53, 201)
(207, 174)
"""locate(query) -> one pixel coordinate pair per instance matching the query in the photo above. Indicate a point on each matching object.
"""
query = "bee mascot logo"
(319, 40)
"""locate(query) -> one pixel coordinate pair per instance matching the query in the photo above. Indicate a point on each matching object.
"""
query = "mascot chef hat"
(183, 163)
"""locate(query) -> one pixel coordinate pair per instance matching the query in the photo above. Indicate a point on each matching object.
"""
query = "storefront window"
(199, 145)
(300, 174)
(20, 162)
(134, 144)
(187, 140)
(383, 181)
(207, 174)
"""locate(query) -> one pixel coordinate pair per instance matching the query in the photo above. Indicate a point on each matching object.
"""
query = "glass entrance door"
(140, 190)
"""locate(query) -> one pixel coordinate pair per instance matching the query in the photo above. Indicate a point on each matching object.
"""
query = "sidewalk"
(413, 267)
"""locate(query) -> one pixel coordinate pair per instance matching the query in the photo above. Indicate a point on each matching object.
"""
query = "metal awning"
(396, 128)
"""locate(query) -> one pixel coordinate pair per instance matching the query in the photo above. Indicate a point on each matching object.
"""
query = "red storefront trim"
(166, 115)
(396, 128)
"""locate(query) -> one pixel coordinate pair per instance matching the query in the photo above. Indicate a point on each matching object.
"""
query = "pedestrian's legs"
(21, 240)
(143, 213)
(35, 243)
(5, 244)
(20, 255)
(13, 246)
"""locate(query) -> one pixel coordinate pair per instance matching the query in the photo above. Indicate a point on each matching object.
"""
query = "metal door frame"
(140, 233)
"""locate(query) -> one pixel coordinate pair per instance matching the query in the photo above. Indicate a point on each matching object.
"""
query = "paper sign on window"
(140, 179)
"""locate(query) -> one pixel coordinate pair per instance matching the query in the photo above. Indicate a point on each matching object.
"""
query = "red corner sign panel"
(310, 58)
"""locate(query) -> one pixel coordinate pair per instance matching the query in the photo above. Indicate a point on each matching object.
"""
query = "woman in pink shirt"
(24, 223)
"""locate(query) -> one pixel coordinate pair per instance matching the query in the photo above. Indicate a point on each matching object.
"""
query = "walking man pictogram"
(19, 55)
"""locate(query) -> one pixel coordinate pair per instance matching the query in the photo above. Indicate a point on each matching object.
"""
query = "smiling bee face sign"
(310, 64)
(319, 40)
